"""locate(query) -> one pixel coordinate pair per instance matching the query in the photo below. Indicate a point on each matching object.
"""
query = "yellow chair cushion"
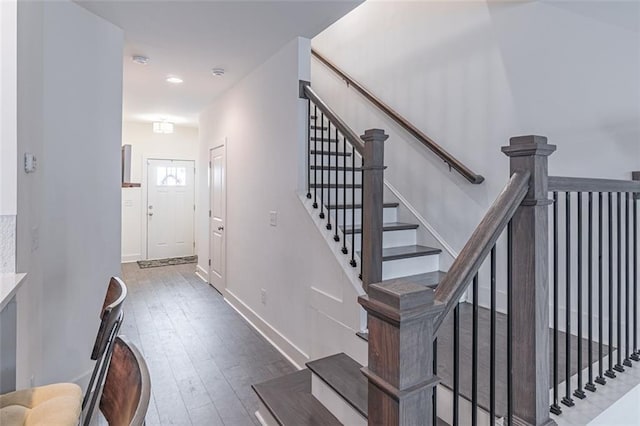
(52, 405)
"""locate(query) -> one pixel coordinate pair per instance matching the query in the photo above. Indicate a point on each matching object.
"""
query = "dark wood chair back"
(127, 388)
(111, 315)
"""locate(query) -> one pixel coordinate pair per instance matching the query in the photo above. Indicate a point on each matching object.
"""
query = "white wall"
(263, 122)
(68, 235)
(8, 60)
(472, 74)
(180, 145)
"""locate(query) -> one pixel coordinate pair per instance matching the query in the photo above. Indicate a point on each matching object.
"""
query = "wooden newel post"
(636, 176)
(401, 316)
(530, 284)
(372, 205)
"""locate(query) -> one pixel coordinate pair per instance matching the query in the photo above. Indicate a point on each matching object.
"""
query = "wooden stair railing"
(449, 159)
(370, 147)
(404, 317)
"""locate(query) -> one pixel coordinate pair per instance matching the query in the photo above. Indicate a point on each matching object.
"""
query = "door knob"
(150, 214)
(220, 228)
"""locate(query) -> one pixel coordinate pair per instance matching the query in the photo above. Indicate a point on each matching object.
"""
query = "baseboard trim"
(290, 351)
(202, 274)
(130, 258)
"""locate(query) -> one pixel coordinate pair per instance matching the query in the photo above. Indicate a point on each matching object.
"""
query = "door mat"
(143, 264)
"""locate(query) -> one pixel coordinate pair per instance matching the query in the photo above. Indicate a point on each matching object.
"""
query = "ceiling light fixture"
(140, 60)
(218, 71)
(174, 80)
(163, 126)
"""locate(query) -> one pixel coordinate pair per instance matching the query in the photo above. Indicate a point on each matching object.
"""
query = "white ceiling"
(188, 38)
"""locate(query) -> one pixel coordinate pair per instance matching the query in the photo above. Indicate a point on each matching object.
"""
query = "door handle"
(150, 214)
(220, 228)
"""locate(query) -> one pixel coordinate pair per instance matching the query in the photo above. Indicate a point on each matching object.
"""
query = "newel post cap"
(529, 145)
(374, 135)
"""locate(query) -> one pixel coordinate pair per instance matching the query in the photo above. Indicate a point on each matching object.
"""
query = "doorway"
(217, 216)
(170, 208)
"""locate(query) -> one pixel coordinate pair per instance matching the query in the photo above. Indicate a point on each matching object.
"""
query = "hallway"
(202, 355)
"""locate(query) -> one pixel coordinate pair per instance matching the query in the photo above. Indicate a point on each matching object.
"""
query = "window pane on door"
(171, 176)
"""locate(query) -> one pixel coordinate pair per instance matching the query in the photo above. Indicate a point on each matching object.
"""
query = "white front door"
(170, 208)
(217, 213)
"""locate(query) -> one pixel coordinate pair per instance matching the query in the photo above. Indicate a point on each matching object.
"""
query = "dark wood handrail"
(573, 184)
(468, 262)
(346, 131)
(449, 159)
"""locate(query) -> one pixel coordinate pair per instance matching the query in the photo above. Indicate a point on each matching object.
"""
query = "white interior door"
(170, 208)
(217, 214)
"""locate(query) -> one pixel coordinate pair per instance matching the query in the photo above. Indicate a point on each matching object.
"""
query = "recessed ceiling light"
(218, 71)
(173, 79)
(139, 59)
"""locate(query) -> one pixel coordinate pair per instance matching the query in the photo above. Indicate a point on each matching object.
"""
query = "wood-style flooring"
(202, 355)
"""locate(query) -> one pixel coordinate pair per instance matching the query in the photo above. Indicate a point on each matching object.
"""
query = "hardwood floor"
(202, 355)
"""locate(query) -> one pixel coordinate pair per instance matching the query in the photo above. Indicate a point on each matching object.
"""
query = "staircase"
(436, 356)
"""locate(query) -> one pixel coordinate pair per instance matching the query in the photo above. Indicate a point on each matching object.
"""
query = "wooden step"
(320, 139)
(336, 185)
(394, 226)
(339, 154)
(407, 252)
(342, 374)
(289, 400)
(319, 128)
(359, 206)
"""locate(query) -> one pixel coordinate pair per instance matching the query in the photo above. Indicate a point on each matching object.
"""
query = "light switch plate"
(273, 218)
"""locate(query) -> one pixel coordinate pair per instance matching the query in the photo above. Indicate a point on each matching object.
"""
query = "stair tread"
(406, 252)
(359, 206)
(342, 374)
(340, 154)
(289, 400)
(314, 139)
(391, 226)
(428, 279)
(335, 185)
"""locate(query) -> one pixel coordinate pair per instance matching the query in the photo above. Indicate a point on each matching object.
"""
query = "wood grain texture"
(404, 123)
(574, 184)
(474, 253)
(127, 388)
(289, 400)
(372, 205)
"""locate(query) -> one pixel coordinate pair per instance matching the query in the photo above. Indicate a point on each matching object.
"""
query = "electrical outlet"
(263, 296)
(273, 218)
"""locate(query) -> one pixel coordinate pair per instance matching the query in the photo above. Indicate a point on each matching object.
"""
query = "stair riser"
(389, 214)
(411, 266)
(265, 417)
(445, 409)
(344, 412)
(405, 237)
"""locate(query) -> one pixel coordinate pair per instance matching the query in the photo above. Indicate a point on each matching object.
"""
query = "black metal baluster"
(344, 196)
(567, 400)
(600, 379)
(610, 373)
(636, 352)
(509, 324)
(315, 157)
(474, 355)
(336, 237)
(579, 393)
(492, 343)
(618, 367)
(353, 211)
(361, 210)
(309, 149)
(456, 364)
(590, 386)
(322, 155)
(434, 419)
(627, 360)
(555, 406)
(329, 185)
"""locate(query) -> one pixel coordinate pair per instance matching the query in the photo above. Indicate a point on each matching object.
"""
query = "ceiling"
(189, 38)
